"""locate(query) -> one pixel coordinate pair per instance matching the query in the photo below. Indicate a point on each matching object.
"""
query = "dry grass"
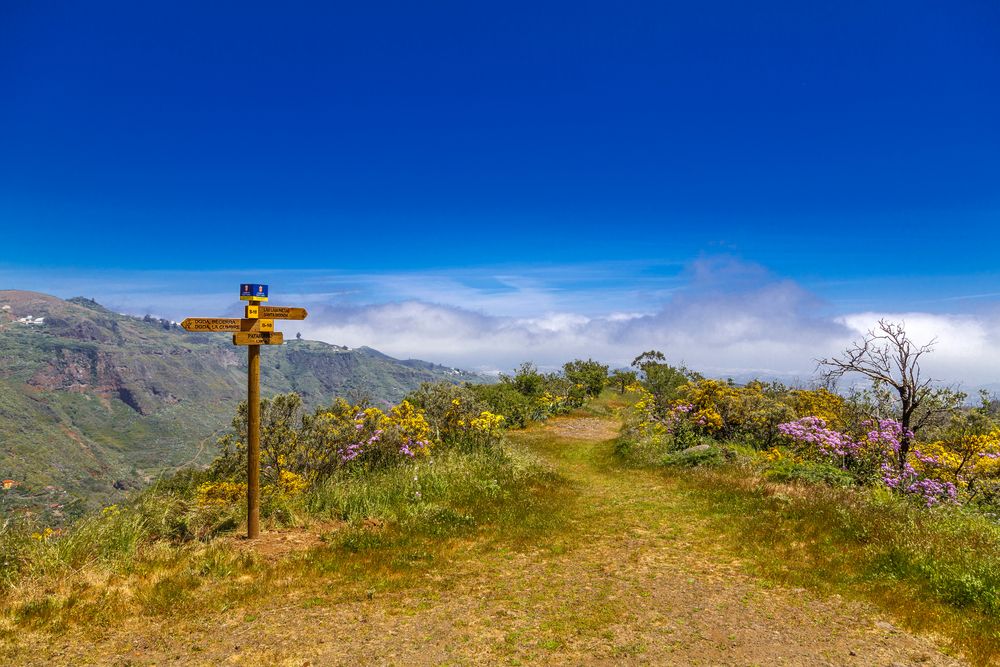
(371, 529)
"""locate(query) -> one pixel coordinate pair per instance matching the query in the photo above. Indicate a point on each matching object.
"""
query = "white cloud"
(718, 315)
(729, 318)
(967, 347)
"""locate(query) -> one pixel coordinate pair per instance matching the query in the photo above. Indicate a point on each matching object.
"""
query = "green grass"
(937, 570)
(808, 524)
(483, 498)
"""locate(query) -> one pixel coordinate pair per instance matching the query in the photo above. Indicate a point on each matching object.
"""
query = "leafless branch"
(886, 354)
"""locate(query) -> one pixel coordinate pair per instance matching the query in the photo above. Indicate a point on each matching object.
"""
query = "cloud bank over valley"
(719, 315)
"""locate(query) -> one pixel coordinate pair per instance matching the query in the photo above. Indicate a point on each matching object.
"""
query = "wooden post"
(256, 328)
(253, 441)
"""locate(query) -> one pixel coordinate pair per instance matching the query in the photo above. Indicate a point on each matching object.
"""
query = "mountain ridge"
(94, 403)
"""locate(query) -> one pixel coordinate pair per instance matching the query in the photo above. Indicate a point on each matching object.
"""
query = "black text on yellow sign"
(282, 312)
(258, 338)
(226, 324)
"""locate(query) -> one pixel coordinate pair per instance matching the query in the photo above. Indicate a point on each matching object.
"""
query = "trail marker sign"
(226, 324)
(258, 338)
(252, 292)
(281, 312)
(254, 330)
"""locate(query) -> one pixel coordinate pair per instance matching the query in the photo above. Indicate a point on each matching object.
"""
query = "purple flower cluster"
(881, 441)
(886, 432)
(406, 449)
(356, 449)
(677, 413)
(908, 480)
(885, 436)
(813, 431)
(926, 459)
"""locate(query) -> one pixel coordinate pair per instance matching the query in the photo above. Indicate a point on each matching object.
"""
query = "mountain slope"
(93, 403)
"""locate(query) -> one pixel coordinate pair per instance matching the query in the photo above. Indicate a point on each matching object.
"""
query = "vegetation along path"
(626, 574)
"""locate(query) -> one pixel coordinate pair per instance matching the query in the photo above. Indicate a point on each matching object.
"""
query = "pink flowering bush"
(870, 457)
(908, 480)
(812, 435)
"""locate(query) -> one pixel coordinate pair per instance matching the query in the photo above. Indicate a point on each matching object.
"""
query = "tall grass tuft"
(456, 489)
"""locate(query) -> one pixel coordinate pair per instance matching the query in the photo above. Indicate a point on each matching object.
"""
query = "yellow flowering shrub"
(708, 393)
(412, 427)
(708, 419)
(221, 493)
(969, 461)
(297, 450)
(818, 403)
(640, 416)
(482, 431)
(290, 484)
(549, 403)
(775, 455)
(487, 422)
(751, 412)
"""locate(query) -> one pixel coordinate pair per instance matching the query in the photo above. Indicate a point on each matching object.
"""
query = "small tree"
(592, 375)
(660, 378)
(621, 378)
(526, 380)
(889, 358)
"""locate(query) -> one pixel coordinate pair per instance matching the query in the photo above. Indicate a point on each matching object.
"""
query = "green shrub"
(527, 381)
(437, 400)
(692, 459)
(589, 375)
(504, 399)
(810, 472)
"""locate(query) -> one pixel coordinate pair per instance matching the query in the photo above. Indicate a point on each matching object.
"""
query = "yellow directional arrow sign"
(211, 324)
(226, 324)
(258, 338)
(280, 312)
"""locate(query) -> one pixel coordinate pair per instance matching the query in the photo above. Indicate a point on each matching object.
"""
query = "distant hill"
(94, 403)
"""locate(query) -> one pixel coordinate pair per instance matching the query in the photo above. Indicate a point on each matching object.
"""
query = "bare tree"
(887, 356)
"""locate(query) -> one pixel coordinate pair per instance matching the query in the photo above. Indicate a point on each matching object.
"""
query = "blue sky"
(509, 161)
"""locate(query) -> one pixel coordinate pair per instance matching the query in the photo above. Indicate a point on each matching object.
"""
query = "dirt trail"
(624, 583)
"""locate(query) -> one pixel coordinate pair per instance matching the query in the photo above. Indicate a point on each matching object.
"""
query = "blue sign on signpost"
(253, 292)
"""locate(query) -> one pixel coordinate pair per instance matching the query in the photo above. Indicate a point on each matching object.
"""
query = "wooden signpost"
(254, 330)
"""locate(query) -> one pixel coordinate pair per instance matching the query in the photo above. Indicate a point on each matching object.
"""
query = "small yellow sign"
(258, 338)
(283, 312)
(226, 324)
(256, 325)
